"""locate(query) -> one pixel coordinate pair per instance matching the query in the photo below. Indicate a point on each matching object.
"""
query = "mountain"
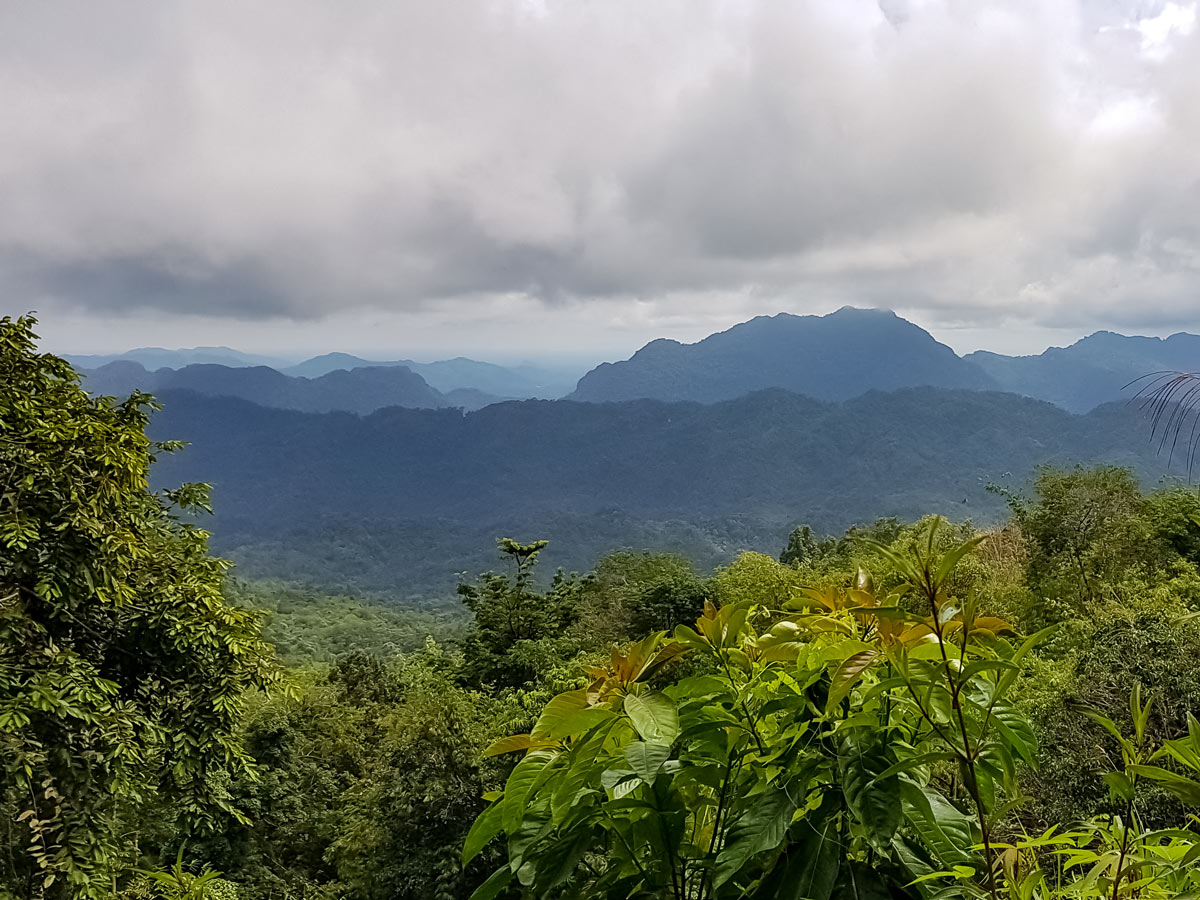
(358, 390)
(331, 362)
(398, 500)
(833, 357)
(1097, 369)
(153, 358)
(512, 382)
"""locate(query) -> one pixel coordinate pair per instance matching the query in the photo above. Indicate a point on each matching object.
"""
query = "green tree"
(517, 628)
(122, 669)
(632, 594)
(1084, 530)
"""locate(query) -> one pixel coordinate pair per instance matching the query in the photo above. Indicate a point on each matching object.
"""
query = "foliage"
(307, 626)
(516, 628)
(632, 594)
(177, 883)
(122, 669)
(846, 748)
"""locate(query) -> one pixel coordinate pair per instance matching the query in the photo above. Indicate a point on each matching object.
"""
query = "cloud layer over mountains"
(981, 164)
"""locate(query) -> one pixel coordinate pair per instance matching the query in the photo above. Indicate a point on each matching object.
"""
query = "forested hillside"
(396, 500)
(1100, 368)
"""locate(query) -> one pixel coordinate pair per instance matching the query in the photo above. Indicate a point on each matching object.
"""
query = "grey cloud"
(290, 159)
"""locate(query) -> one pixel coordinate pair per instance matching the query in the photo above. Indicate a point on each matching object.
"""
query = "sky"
(525, 178)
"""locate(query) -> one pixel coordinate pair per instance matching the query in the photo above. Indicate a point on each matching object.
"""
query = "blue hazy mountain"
(1097, 369)
(518, 382)
(833, 357)
(361, 390)
(153, 358)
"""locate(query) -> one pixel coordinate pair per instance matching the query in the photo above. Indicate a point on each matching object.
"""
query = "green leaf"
(569, 714)
(489, 823)
(654, 716)
(761, 827)
(808, 869)
(953, 557)
(559, 860)
(1017, 732)
(1120, 785)
(874, 800)
(515, 743)
(858, 881)
(1182, 787)
(847, 676)
(942, 827)
(494, 885)
(646, 759)
(520, 785)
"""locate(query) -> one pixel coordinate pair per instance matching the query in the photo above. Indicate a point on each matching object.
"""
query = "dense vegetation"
(399, 501)
(911, 709)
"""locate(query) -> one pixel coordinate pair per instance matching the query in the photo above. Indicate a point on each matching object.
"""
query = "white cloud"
(620, 169)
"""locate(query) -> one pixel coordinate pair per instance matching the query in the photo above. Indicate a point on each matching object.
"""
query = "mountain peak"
(831, 357)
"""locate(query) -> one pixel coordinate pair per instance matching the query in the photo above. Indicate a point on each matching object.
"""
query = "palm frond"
(1172, 401)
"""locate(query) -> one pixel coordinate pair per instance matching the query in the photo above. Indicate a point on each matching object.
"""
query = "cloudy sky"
(518, 177)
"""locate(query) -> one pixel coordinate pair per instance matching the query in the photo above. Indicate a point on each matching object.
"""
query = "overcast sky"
(512, 178)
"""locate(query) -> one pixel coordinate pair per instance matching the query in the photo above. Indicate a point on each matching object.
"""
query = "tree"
(633, 593)
(1083, 530)
(122, 668)
(513, 621)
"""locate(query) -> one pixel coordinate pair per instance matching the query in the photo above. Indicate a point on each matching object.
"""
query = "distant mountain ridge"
(833, 357)
(521, 382)
(153, 358)
(515, 382)
(399, 499)
(830, 358)
(359, 391)
(1096, 369)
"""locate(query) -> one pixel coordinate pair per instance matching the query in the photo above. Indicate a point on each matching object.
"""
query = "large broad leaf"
(942, 827)
(654, 716)
(646, 759)
(874, 800)
(569, 714)
(1016, 731)
(847, 676)
(808, 868)
(1181, 786)
(520, 785)
(559, 860)
(763, 826)
(483, 829)
(494, 885)
(517, 742)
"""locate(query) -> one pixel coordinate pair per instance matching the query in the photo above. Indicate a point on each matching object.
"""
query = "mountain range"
(159, 358)
(378, 479)
(517, 382)
(399, 500)
(1099, 368)
(348, 390)
(832, 358)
